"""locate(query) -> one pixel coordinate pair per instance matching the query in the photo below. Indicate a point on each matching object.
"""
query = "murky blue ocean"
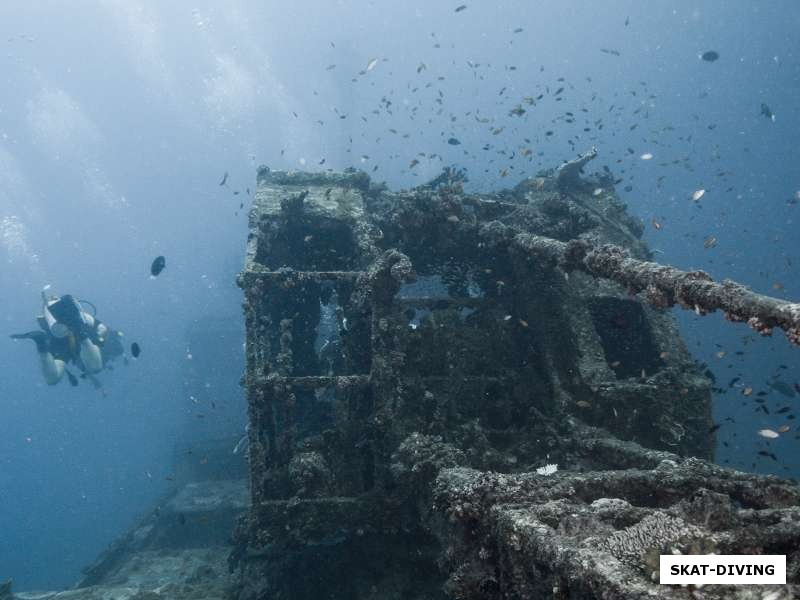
(131, 130)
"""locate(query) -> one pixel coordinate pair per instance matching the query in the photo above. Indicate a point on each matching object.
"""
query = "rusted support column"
(375, 293)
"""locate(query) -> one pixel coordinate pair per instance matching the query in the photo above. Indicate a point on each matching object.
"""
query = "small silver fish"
(240, 444)
(768, 433)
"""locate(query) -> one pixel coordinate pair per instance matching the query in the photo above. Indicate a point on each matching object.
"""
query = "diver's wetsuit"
(61, 348)
(85, 342)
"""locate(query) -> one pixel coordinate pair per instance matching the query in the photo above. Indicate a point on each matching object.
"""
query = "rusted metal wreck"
(419, 361)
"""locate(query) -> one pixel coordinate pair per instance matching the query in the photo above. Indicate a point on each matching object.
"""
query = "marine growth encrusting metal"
(414, 357)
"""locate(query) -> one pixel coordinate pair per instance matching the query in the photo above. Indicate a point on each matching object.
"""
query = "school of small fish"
(516, 138)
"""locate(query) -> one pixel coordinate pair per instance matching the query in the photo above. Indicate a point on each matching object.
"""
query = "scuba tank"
(64, 316)
(58, 330)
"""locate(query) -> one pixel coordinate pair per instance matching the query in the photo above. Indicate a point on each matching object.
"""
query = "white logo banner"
(738, 569)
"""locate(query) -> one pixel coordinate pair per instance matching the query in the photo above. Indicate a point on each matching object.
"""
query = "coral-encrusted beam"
(663, 286)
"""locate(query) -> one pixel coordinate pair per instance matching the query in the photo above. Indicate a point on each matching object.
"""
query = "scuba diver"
(69, 334)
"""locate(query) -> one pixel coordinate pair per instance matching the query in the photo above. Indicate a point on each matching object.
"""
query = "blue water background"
(119, 118)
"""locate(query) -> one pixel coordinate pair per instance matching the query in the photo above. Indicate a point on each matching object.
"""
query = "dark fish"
(710, 56)
(714, 428)
(224, 179)
(158, 265)
(781, 387)
(767, 112)
(135, 350)
(460, 8)
(767, 454)
(181, 518)
(73, 381)
(453, 141)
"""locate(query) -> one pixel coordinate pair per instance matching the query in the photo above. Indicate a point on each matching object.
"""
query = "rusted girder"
(663, 286)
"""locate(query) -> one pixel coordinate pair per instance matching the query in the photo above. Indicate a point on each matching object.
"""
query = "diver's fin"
(29, 335)
(95, 381)
(73, 381)
(40, 337)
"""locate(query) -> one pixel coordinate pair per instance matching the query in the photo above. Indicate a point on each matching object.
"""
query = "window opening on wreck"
(464, 312)
(451, 326)
(309, 243)
(434, 286)
(328, 341)
(314, 410)
(416, 316)
(625, 335)
(426, 286)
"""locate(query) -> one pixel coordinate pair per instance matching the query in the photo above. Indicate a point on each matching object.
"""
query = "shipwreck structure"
(481, 396)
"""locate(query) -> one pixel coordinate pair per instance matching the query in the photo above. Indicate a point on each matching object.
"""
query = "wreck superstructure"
(461, 395)
(396, 341)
